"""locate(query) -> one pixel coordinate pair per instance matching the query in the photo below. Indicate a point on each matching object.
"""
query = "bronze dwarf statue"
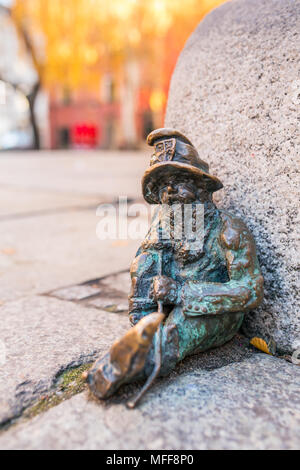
(186, 297)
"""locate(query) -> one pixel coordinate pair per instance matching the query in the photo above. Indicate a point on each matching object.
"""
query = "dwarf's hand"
(165, 289)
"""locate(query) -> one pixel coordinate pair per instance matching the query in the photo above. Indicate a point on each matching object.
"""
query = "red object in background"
(65, 119)
(85, 135)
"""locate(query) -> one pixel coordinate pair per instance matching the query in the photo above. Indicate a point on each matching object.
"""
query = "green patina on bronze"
(203, 287)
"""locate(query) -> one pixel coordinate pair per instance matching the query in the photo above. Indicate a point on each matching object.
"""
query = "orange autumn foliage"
(77, 41)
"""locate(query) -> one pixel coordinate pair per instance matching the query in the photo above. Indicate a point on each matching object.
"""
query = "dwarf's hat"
(174, 154)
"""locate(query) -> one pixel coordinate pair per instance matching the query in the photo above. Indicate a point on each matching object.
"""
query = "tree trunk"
(35, 130)
(128, 104)
(31, 97)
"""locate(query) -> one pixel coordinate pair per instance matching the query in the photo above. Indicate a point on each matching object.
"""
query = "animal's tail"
(157, 366)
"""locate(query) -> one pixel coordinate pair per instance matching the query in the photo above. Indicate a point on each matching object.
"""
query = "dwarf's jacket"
(222, 277)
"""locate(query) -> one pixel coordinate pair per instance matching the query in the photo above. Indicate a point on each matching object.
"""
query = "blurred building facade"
(119, 115)
(85, 74)
(82, 120)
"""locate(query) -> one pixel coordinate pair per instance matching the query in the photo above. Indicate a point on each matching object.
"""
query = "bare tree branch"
(25, 38)
(5, 9)
(29, 46)
(15, 86)
(32, 95)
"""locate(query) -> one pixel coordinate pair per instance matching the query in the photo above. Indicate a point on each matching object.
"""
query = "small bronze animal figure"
(126, 359)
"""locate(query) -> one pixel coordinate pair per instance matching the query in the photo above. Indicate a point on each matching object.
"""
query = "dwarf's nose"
(170, 189)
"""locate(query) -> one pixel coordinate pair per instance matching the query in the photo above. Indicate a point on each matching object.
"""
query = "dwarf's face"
(173, 191)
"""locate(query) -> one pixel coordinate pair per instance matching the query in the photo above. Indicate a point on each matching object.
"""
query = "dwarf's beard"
(183, 226)
(164, 232)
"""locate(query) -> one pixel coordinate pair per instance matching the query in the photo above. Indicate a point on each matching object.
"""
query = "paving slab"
(101, 173)
(110, 304)
(78, 292)
(43, 337)
(20, 202)
(109, 293)
(119, 281)
(254, 404)
(40, 254)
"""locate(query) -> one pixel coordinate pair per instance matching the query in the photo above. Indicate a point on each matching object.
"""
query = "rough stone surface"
(236, 94)
(119, 281)
(48, 242)
(43, 253)
(78, 292)
(48, 217)
(43, 337)
(21, 202)
(99, 174)
(254, 404)
(107, 293)
(110, 304)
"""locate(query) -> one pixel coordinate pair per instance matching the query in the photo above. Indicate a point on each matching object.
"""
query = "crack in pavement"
(45, 336)
(45, 212)
(29, 395)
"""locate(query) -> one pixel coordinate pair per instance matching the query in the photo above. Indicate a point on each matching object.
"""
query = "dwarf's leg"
(183, 336)
(132, 357)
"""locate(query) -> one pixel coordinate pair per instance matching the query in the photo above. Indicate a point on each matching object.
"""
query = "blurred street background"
(89, 74)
